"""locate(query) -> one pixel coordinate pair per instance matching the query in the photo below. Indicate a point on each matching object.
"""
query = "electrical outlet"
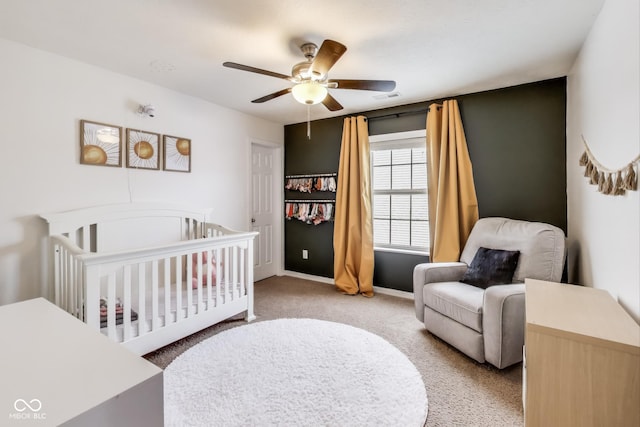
(305, 254)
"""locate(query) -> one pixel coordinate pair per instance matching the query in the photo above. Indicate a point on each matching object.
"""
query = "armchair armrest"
(432, 273)
(503, 314)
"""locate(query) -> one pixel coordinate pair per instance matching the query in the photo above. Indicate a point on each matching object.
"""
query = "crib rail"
(68, 280)
(153, 296)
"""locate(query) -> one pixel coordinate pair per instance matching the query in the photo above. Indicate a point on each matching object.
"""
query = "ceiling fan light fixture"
(310, 78)
(309, 93)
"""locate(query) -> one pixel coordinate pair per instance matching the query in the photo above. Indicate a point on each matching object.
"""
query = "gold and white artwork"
(100, 144)
(143, 149)
(177, 154)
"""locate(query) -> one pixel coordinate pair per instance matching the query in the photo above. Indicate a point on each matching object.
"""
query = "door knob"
(253, 220)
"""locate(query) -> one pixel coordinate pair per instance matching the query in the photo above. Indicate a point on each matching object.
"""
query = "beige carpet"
(461, 392)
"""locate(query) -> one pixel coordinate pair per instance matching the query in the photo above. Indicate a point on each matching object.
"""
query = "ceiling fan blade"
(331, 103)
(272, 95)
(327, 56)
(256, 70)
(379, 85)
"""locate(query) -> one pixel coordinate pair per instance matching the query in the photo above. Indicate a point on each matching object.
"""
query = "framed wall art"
(177, 154)
(100, 144)
(143, 149)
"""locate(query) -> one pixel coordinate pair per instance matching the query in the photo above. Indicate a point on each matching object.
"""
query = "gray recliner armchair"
(488, 324)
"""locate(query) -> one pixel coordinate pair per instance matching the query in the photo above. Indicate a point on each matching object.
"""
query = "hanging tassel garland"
(619, 185)
(588, 169)
(601, 182)
(608, 185)
(631, 180)
(595, 174)
(584, 159)
(626, 178)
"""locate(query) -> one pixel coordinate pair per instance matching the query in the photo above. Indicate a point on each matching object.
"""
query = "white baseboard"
(321, 279)
(393, 292)
(329, 281)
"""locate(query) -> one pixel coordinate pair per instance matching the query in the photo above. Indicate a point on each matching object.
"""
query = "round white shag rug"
(294, 372)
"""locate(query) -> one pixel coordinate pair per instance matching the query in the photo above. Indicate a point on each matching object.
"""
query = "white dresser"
(55, 370)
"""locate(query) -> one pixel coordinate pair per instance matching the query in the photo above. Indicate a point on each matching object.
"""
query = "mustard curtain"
(353, 228)
(453, 206)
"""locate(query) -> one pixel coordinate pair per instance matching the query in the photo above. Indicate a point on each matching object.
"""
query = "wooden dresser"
(582, 358)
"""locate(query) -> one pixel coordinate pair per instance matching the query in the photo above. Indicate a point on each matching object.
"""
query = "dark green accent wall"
(517, 144)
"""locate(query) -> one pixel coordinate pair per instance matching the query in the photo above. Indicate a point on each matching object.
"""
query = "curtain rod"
(397, 115)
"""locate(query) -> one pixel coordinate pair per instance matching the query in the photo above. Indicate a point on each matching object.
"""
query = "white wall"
(43, 97)
(603, 105)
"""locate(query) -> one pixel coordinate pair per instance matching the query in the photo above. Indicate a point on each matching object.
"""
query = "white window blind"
(399, 184)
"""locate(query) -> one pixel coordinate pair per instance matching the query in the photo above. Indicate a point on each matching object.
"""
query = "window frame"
(398, 140)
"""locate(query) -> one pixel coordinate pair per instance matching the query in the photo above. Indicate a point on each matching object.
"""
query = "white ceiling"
(431, 48)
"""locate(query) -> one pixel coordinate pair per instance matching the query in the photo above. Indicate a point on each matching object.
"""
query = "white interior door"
(263, 215)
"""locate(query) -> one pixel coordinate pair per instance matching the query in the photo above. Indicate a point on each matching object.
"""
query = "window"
(399, 191)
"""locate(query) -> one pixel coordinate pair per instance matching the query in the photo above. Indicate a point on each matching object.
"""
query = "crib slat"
(218, 275)
(189, 285)
(91, 284)
(241, 287)
(57, 254)
(68, 280)
(230, 276)
(126, 303)
(76, 287)
(73, 289)
(184, 229)
(65, 281)
(86, 238)
(199, 281)
(167, 291)
(142, 300)
(80, 288)
(111, 306)
(210, 267)
(179, 313)
(249, 268)
(154, 296)
(72, 294)
(235, 273)
(227, 266)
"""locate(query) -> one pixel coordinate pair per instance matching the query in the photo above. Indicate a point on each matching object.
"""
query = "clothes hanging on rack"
(325, 183)
(311, 213)
(303, 185)
(309, 184)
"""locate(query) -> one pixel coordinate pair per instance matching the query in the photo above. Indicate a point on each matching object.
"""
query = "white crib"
(137, 257)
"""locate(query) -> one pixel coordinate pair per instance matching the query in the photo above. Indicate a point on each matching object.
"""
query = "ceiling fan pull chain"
(308, 121)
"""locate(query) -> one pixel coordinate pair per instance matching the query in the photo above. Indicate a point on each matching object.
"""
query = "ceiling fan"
(311, 80)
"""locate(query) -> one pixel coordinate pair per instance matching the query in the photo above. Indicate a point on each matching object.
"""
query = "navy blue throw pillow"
(491, 267)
